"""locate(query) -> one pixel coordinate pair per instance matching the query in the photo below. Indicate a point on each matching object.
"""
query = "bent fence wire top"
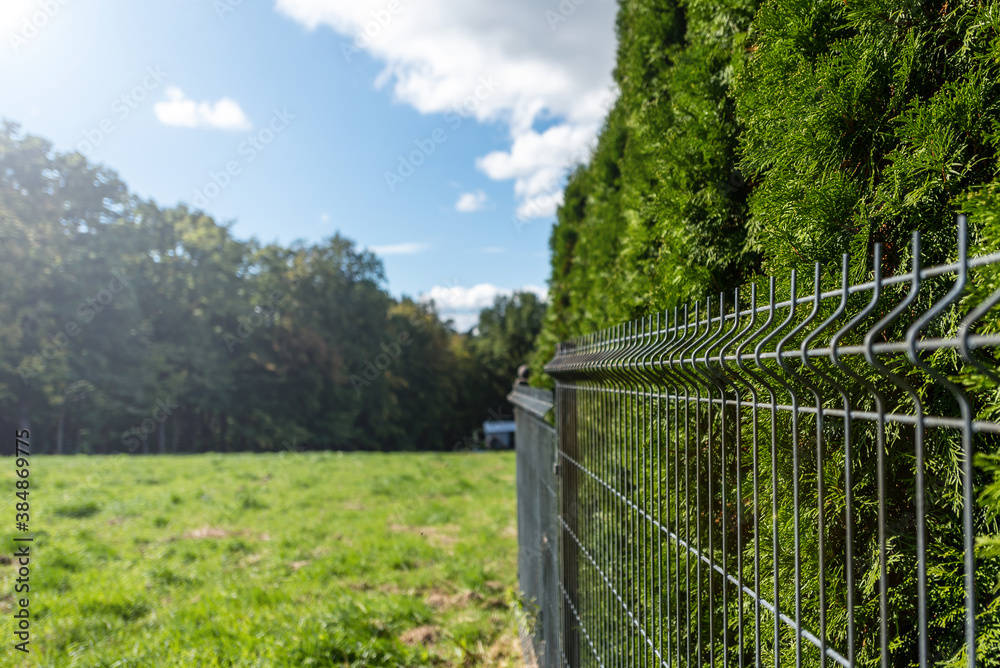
(786, 477)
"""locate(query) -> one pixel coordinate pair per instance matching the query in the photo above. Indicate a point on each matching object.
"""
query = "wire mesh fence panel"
(780, 476)
(541, 583)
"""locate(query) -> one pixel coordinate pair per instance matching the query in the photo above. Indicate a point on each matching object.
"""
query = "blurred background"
(295, 224)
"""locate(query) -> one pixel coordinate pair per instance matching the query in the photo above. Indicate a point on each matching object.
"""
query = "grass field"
(293, 559)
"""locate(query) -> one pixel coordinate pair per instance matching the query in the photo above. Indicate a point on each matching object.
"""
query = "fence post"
(538, 498)
(566, 441)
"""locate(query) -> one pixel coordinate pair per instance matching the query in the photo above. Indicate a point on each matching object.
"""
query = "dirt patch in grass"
(504, 651)
(207, 532)
(441, 600)
(422, 635)
(439, 536)
(250, 560)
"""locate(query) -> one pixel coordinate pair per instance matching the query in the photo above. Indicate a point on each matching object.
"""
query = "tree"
(504, 340)
(52, 207)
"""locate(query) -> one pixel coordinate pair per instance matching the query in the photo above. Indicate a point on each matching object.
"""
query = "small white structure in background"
(498, 434)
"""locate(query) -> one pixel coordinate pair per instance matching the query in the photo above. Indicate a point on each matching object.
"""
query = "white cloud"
(462, 305)
(470, 202)
(458, 298)
(409, 248)
(463, 322)
(179, 110)
(436, 53)
(537, 162)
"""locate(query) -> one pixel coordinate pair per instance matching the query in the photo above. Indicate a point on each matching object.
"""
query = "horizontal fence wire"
(784, 478)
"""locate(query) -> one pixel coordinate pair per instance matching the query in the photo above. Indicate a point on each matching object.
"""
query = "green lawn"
(293, 559)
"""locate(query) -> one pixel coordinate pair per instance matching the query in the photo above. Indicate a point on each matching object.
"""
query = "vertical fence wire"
(779, 478)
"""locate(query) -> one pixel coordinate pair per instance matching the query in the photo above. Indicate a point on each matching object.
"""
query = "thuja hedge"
(656, 215)
(755, 138)
(862, 121)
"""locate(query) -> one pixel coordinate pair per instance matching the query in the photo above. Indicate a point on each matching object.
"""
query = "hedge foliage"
(756, 137)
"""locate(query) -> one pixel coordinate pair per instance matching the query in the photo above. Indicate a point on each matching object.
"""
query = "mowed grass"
(292, 559)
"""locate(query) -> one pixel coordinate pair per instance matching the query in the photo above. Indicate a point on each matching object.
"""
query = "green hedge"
(763, 137)
(749, 138)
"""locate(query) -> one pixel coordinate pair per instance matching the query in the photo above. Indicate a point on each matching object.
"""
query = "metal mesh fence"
(773, 479)
(537, 523)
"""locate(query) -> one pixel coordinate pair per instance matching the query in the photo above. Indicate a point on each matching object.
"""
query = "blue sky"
(436, 133)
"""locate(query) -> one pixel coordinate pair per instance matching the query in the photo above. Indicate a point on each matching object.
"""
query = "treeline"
(129, 327)
(759, 137)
